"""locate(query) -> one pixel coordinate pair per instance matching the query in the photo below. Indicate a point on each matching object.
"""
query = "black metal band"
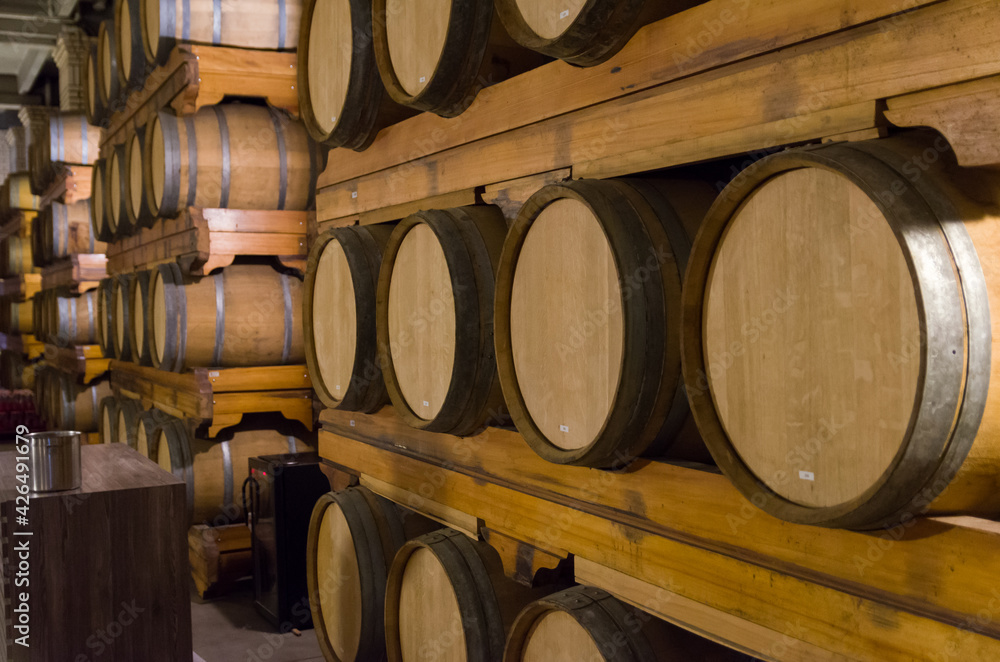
(220, 317)
(192, 159)
(226, 165)
(279, 133)
(286, 349)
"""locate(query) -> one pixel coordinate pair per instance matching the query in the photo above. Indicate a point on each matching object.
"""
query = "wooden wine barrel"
(75, 320)
(214, 470)
(587, 320)
(95, 108)
(447, 598)
(129, 53)
(139, 331)
(235, 155)
(582, 33)
(77, 407)
(585, 624)
(353, 537)
(37, 238)
(19, 195)
(72, 140)
(12, 370)
(108, 420)
(264, 24)
(341, 97)
(866, 316)
(98, 206)
(66, 230)
(436, 57)
(434, 314)
(15, 254)
(339, 308)
(136, 207)
(244, 315)
(116, 193)
(38, 314)
(20, 317)
(146, 428)
(127, 423)
(120, 319)
(108, 83)
(105, 304)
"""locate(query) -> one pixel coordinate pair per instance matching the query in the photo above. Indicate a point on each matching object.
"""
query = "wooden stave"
(179, 354)
(108, 419)
(600, 30)
(109, 87)
(472, 249)
(368, 108)
(78, 407)
(132, 52)
(896, 498)
(488, 604)
(182, 455)
(62, 234)
(165, 43)
(143, 217)
(139, 287)
(218, 119)
(364, 246)
(640, 423)
(67, 145)
(474, 31)
(381, 541)
(146, 427)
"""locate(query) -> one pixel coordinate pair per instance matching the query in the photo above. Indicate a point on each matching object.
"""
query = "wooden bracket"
(527, 564)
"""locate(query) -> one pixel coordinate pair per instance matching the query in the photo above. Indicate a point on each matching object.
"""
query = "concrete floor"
(229, 629)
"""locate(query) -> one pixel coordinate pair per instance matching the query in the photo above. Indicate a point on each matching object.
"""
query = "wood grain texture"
(125, 503)
(416, 33)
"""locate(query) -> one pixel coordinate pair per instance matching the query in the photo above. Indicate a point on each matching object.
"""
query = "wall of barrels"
(624, 330)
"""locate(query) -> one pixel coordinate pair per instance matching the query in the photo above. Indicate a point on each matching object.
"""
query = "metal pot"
(54, 461)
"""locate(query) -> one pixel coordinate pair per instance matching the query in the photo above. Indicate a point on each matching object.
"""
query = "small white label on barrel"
(213, 374)
(352, 422)
(423, 79)
(564, 13)
(427, 404)
(807, 475)
(338, 387)
(564, 428)
(333, 119)
(354, 194)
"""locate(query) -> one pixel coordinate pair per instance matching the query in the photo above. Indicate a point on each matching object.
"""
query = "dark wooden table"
(108, 576)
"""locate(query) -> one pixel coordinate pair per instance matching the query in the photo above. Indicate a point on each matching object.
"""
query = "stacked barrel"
(170, 317)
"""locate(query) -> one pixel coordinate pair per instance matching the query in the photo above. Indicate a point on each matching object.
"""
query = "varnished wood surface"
(330, 53)
(336, 557)
(335, 320)
(126, 503)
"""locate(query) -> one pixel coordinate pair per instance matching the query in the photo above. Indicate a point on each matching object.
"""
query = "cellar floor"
(229, 629)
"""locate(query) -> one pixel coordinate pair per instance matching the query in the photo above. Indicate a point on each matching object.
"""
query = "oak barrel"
(436, 56)
(95, 107)
(108, 420)
(147, 425)
(18, 317)
(339, 308)
(108, 84)
(447, 598)
(120, 319)
(263, 24)
(214, 470)
(19, 195)
(581, 33)
(77, 407)
(139, 320)
(105, 304)
(586, 624)
(353, 537)
(434, 319)
(587, 320)
(130, 54)
(74, 319)
(837, 338)
(16, 256)
(341, 96)
(98, 208)
(66, 230)
(127, 421)
(228, 156)
(136, 207)
(244, 315)
(72, 140)
(116, 191)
